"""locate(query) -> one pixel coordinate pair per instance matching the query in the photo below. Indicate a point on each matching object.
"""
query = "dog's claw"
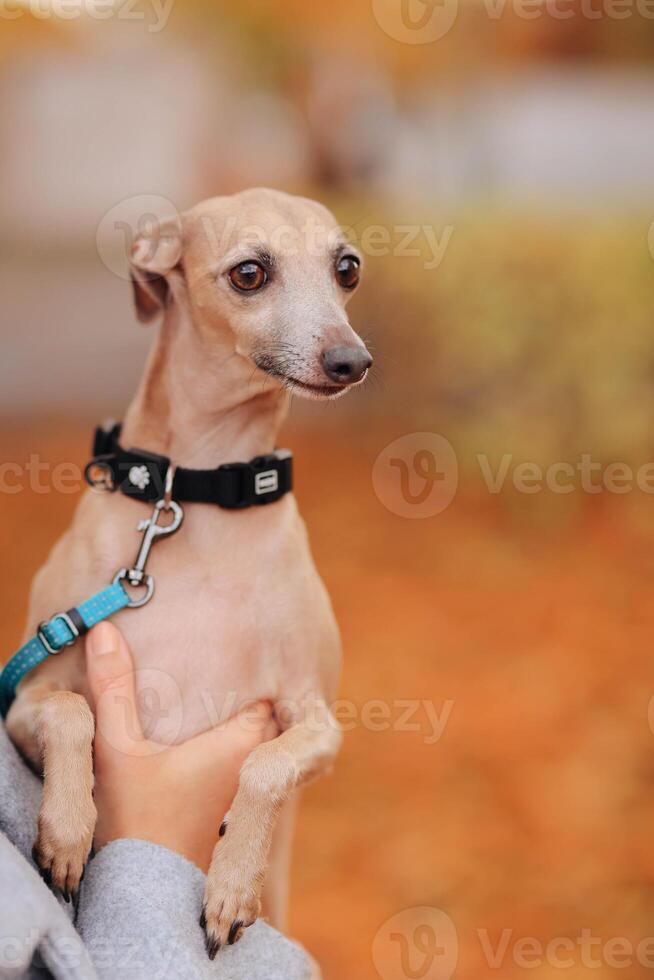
(62, 848)
(46, 874)
(211, 945)
(223, 829)
(232, 899)
(222, 930)
(61, 879)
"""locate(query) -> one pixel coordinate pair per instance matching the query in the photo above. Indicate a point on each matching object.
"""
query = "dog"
(251, 290)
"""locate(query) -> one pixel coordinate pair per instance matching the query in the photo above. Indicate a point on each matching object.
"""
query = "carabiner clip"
(151, 530)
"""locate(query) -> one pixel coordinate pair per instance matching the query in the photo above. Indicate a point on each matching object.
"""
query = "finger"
(270, 730)
(241, 734)
(253, 719)
(110, 672)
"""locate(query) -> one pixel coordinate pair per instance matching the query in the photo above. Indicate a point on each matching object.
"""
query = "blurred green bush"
(534, 336)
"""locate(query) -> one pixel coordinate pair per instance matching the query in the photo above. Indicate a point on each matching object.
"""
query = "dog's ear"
(155, 268)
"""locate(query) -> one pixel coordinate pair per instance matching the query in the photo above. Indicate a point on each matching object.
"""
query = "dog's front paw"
(62, 849)
(232, 902)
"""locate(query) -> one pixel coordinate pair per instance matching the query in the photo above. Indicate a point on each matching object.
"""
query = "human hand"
(175, 796)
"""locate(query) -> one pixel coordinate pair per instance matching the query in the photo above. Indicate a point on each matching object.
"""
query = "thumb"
(110, 672)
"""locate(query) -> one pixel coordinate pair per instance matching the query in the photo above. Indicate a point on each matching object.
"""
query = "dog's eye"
(248, 276)
(348, 271)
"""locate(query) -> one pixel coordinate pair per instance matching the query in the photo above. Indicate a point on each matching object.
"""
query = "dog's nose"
(345, 365)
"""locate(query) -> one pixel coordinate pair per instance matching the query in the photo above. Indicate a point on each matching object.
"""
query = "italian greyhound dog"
(251, 290)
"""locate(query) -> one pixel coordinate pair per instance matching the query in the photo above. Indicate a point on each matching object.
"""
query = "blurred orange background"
(520, 150)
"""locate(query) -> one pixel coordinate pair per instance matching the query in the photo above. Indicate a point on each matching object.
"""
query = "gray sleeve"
(20, 797)
(36, 937)
(138, 916)
(138, 910)
(36, 934)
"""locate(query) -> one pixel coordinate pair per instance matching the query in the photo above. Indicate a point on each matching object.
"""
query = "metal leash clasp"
(151, 530)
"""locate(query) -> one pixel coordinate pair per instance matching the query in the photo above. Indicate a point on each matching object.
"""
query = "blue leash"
(59, 632)
(65, 628)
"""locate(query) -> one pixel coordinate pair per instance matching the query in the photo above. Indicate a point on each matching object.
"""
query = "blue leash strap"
(59, 632)
(64, 628)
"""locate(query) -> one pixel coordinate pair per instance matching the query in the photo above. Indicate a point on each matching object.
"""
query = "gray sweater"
(137, 915)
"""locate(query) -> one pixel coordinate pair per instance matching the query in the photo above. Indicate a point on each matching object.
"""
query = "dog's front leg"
(55, 729)
(232, 899)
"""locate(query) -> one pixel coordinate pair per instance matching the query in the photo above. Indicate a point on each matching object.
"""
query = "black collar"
(142, 475)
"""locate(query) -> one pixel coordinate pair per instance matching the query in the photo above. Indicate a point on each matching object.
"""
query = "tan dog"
(252, 289)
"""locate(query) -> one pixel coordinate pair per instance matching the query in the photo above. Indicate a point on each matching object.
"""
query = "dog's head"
(272, 271)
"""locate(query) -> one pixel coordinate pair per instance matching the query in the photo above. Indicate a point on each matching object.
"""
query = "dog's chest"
(239, 611)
